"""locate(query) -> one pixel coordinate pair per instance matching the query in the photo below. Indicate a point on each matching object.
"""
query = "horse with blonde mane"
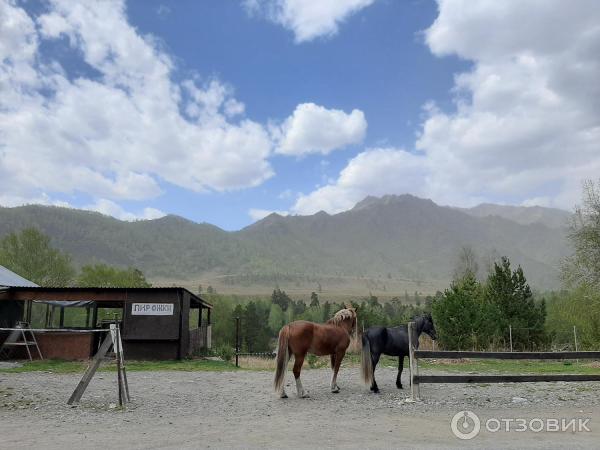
(301, 337)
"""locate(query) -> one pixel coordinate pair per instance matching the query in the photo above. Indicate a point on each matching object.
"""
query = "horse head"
(345, 318)
(425, 325)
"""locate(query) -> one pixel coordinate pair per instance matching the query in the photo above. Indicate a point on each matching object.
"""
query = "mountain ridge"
(402, 237)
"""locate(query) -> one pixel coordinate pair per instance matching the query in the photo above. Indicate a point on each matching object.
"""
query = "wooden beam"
(503, 378)
(91, 370)
(505, 355)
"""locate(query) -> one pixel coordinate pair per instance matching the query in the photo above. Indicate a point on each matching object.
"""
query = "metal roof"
(8, 278)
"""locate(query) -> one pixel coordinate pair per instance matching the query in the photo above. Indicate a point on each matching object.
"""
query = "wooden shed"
(156, 323)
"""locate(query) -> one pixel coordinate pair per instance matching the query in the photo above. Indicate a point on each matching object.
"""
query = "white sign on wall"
(152, 309)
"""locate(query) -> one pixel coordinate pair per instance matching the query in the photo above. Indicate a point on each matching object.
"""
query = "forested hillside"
(400, 237)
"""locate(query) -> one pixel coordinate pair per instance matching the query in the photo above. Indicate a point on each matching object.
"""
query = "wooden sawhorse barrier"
(112, 339)
(416, 380)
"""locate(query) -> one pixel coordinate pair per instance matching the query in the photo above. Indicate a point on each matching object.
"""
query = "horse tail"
(366, 361)
(282, 357)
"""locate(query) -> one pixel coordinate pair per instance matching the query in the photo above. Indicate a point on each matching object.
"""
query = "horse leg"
(375, 360)
(400, 367)
(283, 394)
(337, 359)
(298, 361)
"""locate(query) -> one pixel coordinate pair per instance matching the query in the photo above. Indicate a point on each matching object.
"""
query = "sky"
(226, 111)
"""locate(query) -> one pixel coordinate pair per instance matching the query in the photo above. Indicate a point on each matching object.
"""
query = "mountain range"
(397, 238)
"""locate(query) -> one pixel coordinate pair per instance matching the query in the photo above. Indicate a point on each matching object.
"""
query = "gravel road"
(239, 409)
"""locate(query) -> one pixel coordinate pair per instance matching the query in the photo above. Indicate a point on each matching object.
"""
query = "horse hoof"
(375, 391)
(335, 391)
(399, 386)
(305, 396)
(284, 395)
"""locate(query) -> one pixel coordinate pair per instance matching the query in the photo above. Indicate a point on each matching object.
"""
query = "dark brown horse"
(302, 337)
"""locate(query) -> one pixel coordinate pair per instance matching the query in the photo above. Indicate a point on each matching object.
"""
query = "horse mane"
(341, 316)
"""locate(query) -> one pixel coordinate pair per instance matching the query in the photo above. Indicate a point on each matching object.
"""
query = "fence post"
(575, 335)
(237, 341)
(414, 370)
(510, 336)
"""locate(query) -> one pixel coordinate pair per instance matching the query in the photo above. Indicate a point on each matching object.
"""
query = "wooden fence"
(416, 379)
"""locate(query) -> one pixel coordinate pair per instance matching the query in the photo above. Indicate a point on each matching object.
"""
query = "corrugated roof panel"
(8, 278)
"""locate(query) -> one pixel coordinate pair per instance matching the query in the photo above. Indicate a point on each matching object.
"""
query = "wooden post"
(95, 316)
(510, 336)
(414, 386)
(120, 360)
(208, 330)
(124, 375)
(237, 341)
(91, 370)
(575, 336)
(29, 306)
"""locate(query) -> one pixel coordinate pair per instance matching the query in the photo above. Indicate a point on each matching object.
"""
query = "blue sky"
(222, 111)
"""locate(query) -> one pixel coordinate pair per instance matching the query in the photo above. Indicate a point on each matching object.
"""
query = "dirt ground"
(239, 410)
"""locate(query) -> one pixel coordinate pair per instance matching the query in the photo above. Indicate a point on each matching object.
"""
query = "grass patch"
(189, 365)
(48, 365)
(511, 366)
(58, 366)
(350, 361)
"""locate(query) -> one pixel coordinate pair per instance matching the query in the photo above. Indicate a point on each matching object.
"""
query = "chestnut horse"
(302, 337)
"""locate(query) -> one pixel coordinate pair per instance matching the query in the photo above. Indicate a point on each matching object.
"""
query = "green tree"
(463, 319)
(280, 298)
(276, 318)
(30, 255)
(254, 323)
(223, 323)
(509, 292)
(314, 300)
(583, 267)
(298, 307)
(579, 307)
(102, 275)
(326, 311)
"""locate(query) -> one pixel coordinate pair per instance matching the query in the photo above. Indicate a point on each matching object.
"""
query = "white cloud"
(376, 171)
(315, 129)
(10, 201)
(526, 124)
(110, 208)
(116, 134)
(307, 19)
(257, 214)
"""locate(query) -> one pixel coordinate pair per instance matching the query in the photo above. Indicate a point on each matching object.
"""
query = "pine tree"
(314, 300)
(510, 293)
(280, 298)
